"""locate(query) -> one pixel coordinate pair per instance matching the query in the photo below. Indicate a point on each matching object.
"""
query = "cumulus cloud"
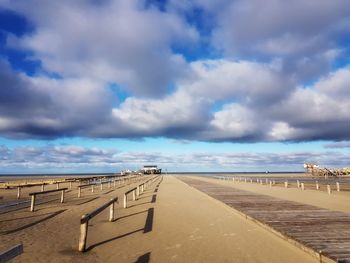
(113, 41)
(77, 159)
(255, 91)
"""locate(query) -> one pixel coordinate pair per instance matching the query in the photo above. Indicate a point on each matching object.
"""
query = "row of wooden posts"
(84, 221)
(273, 182)
(33, 195)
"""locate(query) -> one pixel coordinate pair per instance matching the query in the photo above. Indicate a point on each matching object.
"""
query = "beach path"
(170, 222)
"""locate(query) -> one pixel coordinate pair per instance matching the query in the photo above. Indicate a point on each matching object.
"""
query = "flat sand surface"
(169, 223)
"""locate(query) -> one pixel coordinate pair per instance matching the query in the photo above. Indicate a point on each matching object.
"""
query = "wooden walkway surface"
(322, 232)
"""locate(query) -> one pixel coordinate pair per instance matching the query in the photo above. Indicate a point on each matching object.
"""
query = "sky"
(189, 85)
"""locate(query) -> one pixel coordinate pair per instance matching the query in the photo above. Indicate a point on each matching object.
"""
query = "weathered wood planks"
(323, 231)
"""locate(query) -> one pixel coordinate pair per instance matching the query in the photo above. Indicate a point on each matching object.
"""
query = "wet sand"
(169, 223)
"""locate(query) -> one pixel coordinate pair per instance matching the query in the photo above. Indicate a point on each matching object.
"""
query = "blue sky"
(101, 86)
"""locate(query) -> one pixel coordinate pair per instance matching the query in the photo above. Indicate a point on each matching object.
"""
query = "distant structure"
(311, 168)
(315, 170)
(151, 169)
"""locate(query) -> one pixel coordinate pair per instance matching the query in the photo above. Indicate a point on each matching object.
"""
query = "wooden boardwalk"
(321, 232)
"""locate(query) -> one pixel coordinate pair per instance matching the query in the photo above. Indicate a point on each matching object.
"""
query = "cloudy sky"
(190, 85)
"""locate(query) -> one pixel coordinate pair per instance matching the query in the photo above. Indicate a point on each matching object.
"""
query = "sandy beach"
(169, 223)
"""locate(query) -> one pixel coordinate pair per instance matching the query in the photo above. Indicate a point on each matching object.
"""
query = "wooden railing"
(34, 194)
(84, 221)
(11, 253)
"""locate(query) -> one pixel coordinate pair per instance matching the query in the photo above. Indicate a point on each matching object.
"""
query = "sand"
(171, 223)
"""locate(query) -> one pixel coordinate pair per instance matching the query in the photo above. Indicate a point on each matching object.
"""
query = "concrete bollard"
(302, 186)
(317, 186)
(338, 186)
(286, 184)
(329, 191)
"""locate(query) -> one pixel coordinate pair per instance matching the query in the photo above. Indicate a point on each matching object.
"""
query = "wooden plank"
(11, 253)
(87, 217)
(48, 191)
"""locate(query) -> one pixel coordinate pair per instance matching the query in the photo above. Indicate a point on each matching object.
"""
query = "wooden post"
(18, 192)
(329, 189)
(109, 184)
(302, 186)
(261, 182)
(42, 187)
(317, 186)
(70, 185)
(138, 190)
(134, 195)
(266, 180)
(83, 235)
(32, 204)
(245, 180)
(286, 184)
(251, 181)
(273, 182)
(298, 184)
(62, 196)
(233, 179)
(58, 186)
(270, 183)
(125, 201)
(111, 212)
(101, 186)
(114, 183)
(92, 188)
(338, 186)
(79, 192)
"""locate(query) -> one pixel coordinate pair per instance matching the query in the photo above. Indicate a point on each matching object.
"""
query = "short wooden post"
(338, 186)
(273, 182)
(251, 181)
(111, 212)
(92, 188)
(286, 184)
(101, 186)
(62, 196)
(245, 180)
(79, 192)
(42, 187)
(317, 186)
(270, 183)
(302, 186)
(298, 184)
(257, 180)
(266, 180)
(83, 234)
(58, 186)
(125, 201)
(109, 184)
(32, 204)
(134, 195)
(114, 183)
(233, 179)
(261, 181)
(138, 190)
(18, 192)
(70, 185)
(329, 189)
